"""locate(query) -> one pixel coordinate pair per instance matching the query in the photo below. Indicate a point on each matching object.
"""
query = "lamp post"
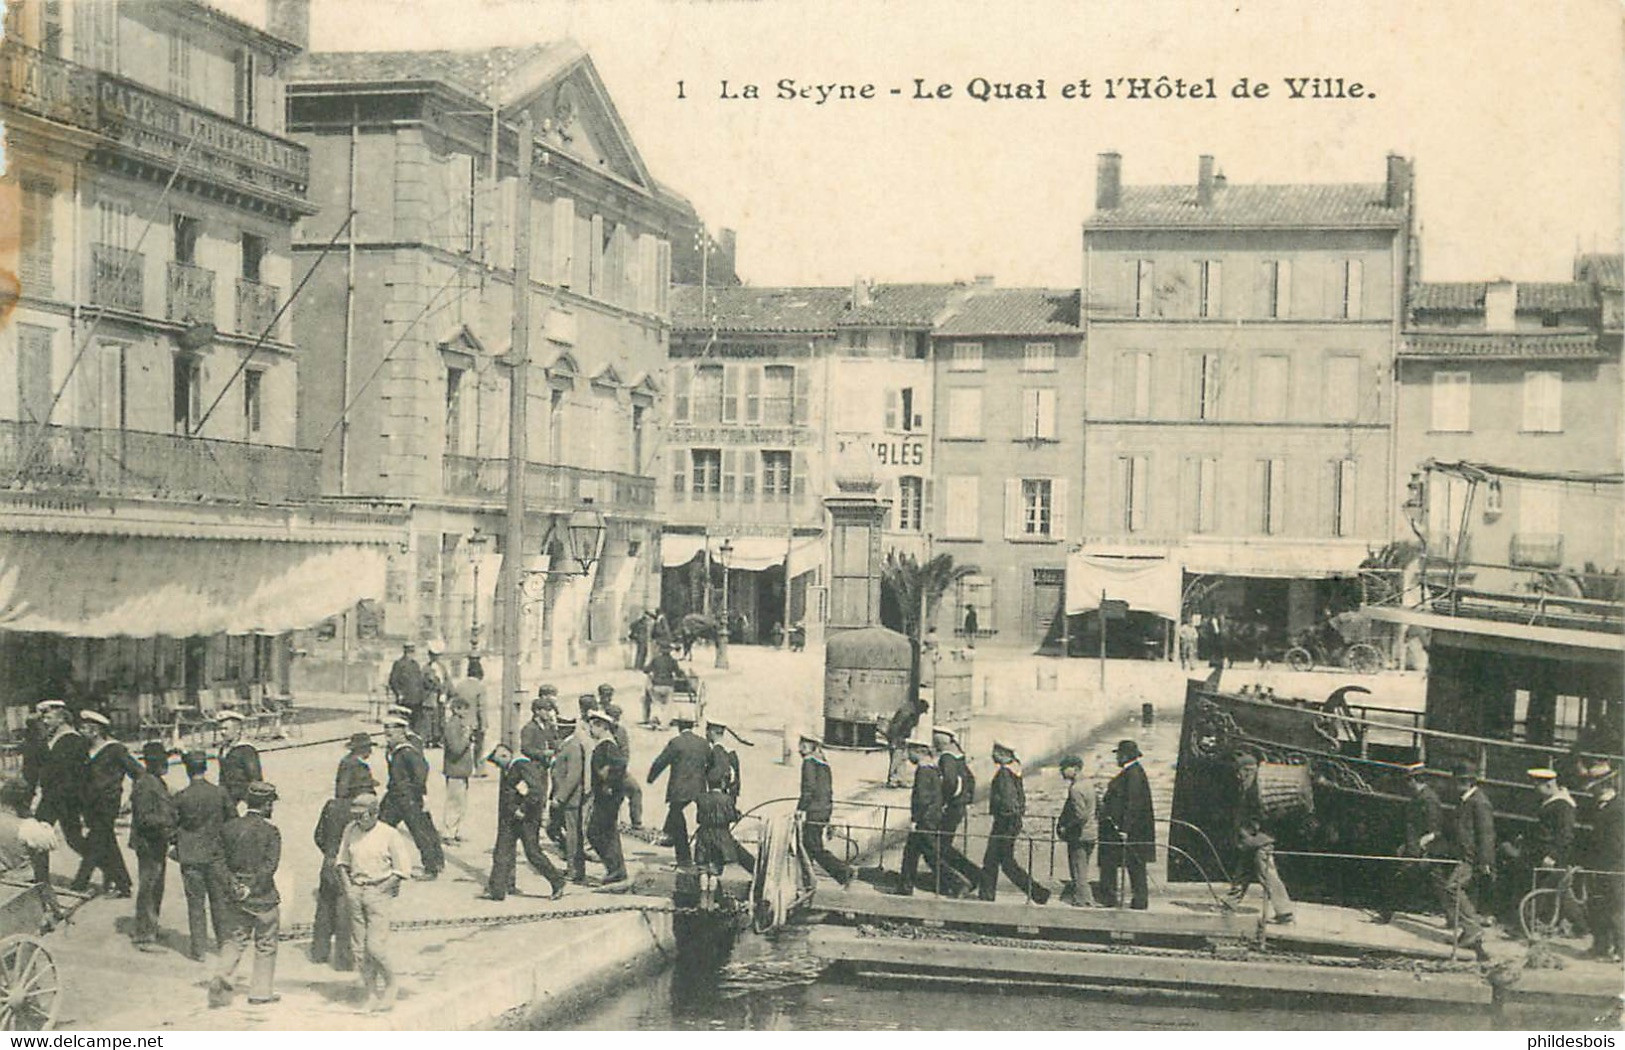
(724, 552)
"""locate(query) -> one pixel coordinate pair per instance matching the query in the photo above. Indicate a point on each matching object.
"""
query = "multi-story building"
(1521, 376)
(769, 385)
(1240, 342)
(156, 537)
(407, 381)
(1009, 385)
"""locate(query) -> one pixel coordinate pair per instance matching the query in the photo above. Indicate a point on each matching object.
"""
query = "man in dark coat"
(201, 811)
(958, 792)
(1255, 845)
(642, 628)
(898, 730)
(239, 760)
(572, 794)
(521, 800)
(724, 758)
(1007, 801)
(686, 755)
(109, 764)
(1605, 903)
(406, 683)
(152, 829)
(253, 848)
(540, 737)
(62, 774)
(1424, 837)
(663, 672)
(403, 796)
(715, 815)
(1473, 846)
(330, 931)
(623, 740)
(608, 771)
(354, 775)
(925, 838)
(1128, 830)
(816, 805)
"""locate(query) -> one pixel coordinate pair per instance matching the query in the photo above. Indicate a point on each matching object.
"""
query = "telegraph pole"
(513, 553)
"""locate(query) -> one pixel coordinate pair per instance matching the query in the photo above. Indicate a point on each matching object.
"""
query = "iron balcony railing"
(552, 486)
(117, 279)
(158, 466)
(152, 124)
(256, 306)
(190, 298)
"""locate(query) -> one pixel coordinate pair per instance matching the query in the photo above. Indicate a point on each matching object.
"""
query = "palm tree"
(915, 589)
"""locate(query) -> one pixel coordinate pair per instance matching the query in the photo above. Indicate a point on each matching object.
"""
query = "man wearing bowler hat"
(686, 755)
(152, 828)
(1128, 830)
(354, 774)
(1473, 843)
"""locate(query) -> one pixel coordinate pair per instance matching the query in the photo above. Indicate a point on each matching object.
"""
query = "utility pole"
(513, 553)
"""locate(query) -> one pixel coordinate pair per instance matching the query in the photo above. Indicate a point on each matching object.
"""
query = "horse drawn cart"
(30, 985)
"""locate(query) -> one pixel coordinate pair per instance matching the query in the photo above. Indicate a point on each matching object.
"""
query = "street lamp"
(586, 531)
(724, 552)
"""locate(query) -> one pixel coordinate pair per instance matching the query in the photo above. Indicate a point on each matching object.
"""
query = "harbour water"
(772, 983)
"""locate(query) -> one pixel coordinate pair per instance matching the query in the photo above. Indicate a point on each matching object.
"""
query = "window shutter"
(1123, 387)
(1353, 289)
(753, 393)
(1012, 508)
(1046, 414)
(926, 521)
(798, 474)
(1057, 511)
(1029, 413)
(1283, 288)
(730, 474)
(595, 257)
(682, 382)
(679, 474)
(730, 394)
(803, 385)
(1347, 497)
(893, 401)
(1215, 289)
(1554, 401)
(1277, 496)
(564, 239)
(662, 276)
(747, 475)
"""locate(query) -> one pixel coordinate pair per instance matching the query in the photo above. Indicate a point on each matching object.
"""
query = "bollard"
(1148, 714)
(787, 754)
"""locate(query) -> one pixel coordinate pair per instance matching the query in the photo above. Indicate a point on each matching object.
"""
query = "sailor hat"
(229, 715)
(945, 731)
(96, 717)
(394, 722)
(50, 705)
(808, 738)
(600, 716)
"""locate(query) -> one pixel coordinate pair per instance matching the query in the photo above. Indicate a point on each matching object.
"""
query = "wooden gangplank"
(1319, 927)
(1184, 971)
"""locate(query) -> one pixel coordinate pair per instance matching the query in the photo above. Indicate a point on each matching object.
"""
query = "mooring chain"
(301, 930)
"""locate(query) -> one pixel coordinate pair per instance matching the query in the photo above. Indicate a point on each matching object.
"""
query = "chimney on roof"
(1500, 306)
(289, 20)
(1398, 190)
(1204, 180)
(1108, 181)
(860, 293)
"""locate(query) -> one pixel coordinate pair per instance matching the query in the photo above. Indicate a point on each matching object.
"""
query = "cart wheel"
(1298, 658)
(1364, 659)
(30, 988)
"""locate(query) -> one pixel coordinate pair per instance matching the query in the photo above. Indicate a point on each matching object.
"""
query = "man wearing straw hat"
(1007, 802)
(239, 760)
(1255, 845)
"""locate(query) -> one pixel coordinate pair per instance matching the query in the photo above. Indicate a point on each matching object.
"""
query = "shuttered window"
(964, 412)
(1452, 402)
(962, 495)
(1038, 414)
(1543, 402)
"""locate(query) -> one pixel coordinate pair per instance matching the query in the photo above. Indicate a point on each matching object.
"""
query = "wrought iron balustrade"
(117, 278)
(190, 297)
(256, 306)
(552, 486)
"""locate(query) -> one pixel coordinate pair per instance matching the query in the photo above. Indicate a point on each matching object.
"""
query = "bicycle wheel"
(1363, 658)
(1540, 913)
(1299, 659)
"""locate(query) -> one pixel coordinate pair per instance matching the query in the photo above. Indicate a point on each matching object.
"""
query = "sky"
(1512, 112)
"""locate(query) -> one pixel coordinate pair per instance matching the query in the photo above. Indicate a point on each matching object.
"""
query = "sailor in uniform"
(239, 760)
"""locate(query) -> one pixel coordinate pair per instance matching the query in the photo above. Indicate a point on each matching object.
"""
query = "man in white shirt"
(372, 861)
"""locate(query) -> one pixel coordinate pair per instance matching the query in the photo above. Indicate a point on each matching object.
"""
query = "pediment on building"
(573, 113)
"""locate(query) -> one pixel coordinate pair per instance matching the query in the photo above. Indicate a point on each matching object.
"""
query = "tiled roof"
(472, 71)
(1335, 204)
(1504, 346)
(1603, 269)
(737, 308)
(1532, 296)
(1015, 311)
(902, 305)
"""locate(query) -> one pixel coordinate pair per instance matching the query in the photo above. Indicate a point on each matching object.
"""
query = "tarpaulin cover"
(753, 553)
(109, 586)
(1149, 582)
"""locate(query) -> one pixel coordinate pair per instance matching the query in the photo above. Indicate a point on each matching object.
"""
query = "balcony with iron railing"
(256, 307)
(154, 466)
(549, 486)
(117, 278)
(190, 294)
(713, 506)
(153, 124)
